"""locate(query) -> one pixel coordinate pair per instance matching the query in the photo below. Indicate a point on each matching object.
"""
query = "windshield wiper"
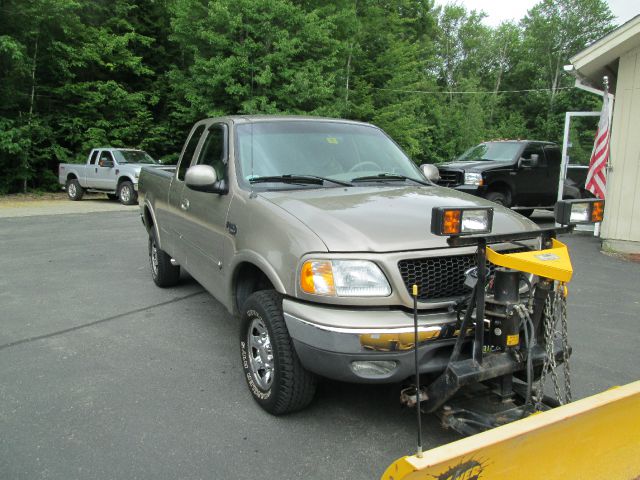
(383, 177)
(302, 179)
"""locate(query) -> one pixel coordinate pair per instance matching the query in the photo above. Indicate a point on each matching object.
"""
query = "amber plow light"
(580, 211)
(455, 221)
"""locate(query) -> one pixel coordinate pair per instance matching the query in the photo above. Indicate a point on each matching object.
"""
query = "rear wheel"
(277, 380)
(126, 193)
(74, 190)
(163, 273)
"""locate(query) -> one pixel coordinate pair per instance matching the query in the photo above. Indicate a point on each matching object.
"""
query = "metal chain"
(561, 307)
(555, 311)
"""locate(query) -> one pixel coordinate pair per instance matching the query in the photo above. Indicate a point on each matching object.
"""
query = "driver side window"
(535, 150)
(105, 157)
(214, 150)
(190, 149)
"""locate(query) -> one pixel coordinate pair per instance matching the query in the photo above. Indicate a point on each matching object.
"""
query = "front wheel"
(498, 197)
(127, 194)
(163, 273)
(277, 380)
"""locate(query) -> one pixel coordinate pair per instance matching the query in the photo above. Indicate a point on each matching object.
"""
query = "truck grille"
(450, 178)
(440, 278)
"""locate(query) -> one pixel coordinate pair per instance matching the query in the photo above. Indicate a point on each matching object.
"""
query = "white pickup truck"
(113, 171)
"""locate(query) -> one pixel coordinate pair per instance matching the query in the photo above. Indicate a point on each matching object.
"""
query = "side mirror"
(532, 162)
(106, 163)
(430, 171)
(203, 178)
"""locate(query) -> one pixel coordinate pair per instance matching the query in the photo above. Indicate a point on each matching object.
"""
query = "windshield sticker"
(332, 140)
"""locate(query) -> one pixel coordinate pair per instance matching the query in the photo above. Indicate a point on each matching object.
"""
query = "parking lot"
(105, 376)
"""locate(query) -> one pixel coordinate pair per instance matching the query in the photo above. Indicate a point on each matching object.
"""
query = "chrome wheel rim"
(72, 189)
(260, 354)
(125, 194)
(153, 254)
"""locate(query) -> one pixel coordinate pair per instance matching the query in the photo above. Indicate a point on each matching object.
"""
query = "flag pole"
(605, 94)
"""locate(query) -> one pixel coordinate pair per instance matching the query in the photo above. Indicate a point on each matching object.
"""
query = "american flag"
(597, 177)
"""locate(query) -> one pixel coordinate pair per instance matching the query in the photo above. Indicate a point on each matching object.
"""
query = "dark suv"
(521, 174)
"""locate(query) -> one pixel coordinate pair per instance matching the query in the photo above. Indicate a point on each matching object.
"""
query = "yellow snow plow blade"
(551, 263)
(594, 438)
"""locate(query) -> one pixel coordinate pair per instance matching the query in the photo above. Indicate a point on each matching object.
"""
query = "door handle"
(185, 204)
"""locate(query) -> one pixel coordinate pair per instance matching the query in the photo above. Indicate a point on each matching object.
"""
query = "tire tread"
(297, 385)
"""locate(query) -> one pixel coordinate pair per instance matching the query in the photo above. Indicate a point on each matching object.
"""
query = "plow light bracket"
(579, 211)
(457, 221)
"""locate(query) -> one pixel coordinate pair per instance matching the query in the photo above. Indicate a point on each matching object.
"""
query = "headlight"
(343, 278)
(473, 179)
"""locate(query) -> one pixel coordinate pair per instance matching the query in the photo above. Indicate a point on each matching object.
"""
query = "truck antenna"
(415, 358)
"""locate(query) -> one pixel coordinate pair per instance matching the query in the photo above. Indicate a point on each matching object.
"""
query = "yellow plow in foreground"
(597, 437)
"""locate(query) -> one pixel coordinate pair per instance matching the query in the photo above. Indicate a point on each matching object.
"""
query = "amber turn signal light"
(455, 221)
(579, 211)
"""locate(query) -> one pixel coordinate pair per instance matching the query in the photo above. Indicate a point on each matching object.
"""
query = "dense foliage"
(78, 74)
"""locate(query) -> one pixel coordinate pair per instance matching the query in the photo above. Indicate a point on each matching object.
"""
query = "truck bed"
(154, 183)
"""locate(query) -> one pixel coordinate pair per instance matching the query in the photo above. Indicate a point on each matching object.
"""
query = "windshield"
(332, 150)
(497, 151)
(134, 156)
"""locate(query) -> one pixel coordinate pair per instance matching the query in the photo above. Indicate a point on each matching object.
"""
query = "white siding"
(622, 215)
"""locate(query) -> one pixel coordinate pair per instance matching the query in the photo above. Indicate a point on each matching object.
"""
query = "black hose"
(463, 328)
(529, 338)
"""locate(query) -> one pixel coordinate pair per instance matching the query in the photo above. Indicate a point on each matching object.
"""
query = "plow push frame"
(550, 438)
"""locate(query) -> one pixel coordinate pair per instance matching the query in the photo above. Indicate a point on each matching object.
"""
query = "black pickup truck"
(521, 174)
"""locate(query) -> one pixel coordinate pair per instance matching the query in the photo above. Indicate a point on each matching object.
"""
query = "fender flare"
(149, 208)
(247, 256)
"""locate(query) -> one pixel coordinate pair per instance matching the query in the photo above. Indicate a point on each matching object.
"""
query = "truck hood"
(383, 219)
(474, 166)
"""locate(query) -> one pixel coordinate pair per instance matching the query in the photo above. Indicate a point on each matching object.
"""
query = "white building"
(617, 55)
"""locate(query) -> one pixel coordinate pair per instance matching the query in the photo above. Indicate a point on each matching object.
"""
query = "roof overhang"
(601, 57)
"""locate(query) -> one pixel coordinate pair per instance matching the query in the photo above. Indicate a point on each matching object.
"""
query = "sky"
(500, 10)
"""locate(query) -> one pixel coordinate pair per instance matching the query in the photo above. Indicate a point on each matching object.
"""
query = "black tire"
(163, 273)
(284, 386)
(112, 196)
(498, 197)
(74, 191)
(526, 212)
(126, 193)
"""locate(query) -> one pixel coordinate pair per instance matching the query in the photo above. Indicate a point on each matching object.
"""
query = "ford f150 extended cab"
(521, 174)
(312, 231)
(113, 171)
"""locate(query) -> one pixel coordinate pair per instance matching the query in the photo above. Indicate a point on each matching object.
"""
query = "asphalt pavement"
(105, 376)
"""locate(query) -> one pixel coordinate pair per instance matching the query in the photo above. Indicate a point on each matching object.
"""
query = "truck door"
(553, 159)
(206, 213)
(531, 181)
(172, 218)
(104, 176)
(89, 169)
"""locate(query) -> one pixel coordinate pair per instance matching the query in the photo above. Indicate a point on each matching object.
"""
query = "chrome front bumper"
(328, 340)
